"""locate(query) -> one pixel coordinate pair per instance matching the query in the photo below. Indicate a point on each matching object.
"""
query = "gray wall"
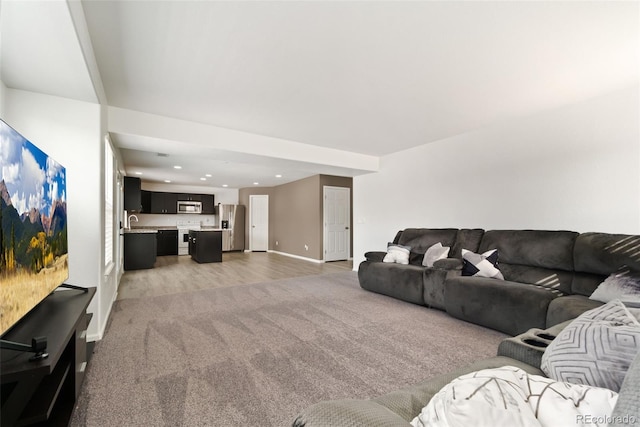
(295, 214)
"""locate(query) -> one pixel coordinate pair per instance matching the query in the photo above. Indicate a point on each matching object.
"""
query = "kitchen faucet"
(129, 220)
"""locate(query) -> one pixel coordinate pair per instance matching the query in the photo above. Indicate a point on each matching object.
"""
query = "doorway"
(259, 223)
(337, 222)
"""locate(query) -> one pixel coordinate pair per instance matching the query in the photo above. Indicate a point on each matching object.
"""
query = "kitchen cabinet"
(140, 249)
(145, 197)
(167, 242)
(132, 194)
(164, 203)
(190, 197)
(208, 206)
(205, 246)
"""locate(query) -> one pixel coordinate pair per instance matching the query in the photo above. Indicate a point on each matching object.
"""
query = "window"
(108, 203)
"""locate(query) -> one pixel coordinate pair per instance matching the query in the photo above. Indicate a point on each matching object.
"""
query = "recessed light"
(208, 175)
(203, 179)
(278, 176)
(138, 173)
(167, 180)
(225, 185)
(177, 167)
(256, 183)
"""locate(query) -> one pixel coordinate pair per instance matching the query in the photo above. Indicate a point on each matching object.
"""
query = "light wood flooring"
(174, 274)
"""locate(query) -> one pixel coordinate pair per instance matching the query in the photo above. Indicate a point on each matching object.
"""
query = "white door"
(337, 218)
(259, 226)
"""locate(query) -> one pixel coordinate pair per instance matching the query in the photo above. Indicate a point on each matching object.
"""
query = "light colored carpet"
(258, 354)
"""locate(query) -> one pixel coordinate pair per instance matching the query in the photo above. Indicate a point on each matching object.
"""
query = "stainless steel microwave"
(189, 207)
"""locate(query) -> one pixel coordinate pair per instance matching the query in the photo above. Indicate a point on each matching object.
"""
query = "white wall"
(3, 90)
(574, 168)
(70, 132)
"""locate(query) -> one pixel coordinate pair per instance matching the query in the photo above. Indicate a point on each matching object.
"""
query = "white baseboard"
(317, 261)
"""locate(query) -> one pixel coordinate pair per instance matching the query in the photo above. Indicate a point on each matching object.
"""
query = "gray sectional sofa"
(549, 275)
(398, 408)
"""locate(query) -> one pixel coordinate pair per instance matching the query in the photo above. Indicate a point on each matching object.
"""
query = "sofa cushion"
(481, 265)
(623, 285)
(568, 307)
(467, 238)
(602, 253)
(596, 348)
(535, 248)
(421, 239)
(509, 307)
(395, 280)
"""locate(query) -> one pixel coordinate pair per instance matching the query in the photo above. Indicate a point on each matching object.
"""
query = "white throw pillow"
(397, 253)
(434, 253)
(623, 285)
(509, 396)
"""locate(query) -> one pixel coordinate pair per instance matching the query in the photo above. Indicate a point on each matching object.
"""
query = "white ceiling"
(357, 79)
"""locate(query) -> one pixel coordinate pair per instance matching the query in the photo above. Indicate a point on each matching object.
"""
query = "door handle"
(346, 228)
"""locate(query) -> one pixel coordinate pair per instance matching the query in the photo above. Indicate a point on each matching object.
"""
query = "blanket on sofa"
(509, 396)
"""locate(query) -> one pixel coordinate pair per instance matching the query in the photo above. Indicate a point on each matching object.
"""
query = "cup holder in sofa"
(536, 343)
(545, 336)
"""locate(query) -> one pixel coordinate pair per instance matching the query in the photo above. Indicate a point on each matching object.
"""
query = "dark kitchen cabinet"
(164, 203)
(190, 197)
(207, 204)
(145, 197)
(205, 246)
(139, 250)
(167, 242)
(132, 194)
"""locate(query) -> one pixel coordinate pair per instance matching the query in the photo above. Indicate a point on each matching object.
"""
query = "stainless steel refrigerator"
(231, 221)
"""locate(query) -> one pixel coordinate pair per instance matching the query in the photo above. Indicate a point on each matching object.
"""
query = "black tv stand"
(45, 391)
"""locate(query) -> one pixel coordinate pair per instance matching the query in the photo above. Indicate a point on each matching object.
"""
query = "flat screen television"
(33, 235)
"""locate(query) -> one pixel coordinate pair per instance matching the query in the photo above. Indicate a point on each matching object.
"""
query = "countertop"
(140, 231)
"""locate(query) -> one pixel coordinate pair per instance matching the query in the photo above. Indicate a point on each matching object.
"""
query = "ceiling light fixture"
(256, 183)
(208, 175)
(138, 173)
(177, 167)
(203, 179)
(225, 185)
(278, 176)
(167, 181)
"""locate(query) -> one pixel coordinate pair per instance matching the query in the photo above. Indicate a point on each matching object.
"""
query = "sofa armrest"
(353, 413)
(375, 256)
(448, 264)
(529, 346)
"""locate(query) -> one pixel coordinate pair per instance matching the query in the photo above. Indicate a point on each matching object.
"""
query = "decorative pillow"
(482, 265)
(509, 396)
(623, 285)
(434, 253)
(596, 348)
(397, 253)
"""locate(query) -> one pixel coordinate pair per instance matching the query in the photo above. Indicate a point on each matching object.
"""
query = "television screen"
(33, 235)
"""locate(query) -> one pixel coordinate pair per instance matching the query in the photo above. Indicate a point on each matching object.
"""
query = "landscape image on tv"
(33, 235)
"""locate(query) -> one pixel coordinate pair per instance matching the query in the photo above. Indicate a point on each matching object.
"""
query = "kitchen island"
(205, 245)
(140, 246)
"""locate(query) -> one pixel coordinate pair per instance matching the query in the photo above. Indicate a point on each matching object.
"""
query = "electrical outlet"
(276, 243)
(306, 248)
